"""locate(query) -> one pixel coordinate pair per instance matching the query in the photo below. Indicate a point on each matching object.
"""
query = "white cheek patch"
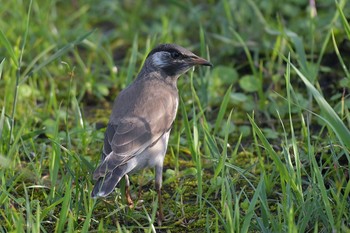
(159, 59)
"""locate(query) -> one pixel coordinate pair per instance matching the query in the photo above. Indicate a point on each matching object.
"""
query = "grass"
(260, 144)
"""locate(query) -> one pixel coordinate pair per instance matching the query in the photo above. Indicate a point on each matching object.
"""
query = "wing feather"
(137, 122)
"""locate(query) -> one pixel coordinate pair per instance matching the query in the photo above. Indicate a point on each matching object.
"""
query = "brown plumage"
(138, 130)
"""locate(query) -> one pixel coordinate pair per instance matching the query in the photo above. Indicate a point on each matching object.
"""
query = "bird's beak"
(200, 61)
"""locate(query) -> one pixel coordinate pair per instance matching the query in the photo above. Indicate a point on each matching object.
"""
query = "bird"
(137, 133)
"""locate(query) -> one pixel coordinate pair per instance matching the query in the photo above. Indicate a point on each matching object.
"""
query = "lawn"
(261, 142)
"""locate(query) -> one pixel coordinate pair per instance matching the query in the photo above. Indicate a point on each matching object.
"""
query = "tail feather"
(105, 185)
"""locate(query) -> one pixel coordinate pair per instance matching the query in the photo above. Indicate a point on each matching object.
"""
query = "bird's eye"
(175, 54)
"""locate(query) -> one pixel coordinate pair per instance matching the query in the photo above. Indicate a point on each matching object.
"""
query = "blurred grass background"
(261, 142)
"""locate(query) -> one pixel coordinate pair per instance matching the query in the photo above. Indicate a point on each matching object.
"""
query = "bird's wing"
(132, 134)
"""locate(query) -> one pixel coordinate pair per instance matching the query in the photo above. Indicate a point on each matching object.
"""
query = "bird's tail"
(105, 185)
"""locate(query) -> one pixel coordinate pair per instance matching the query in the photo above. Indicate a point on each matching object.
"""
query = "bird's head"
(173, 60)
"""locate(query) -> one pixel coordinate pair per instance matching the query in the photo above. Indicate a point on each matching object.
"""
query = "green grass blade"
(247, 52)
(257, 73)
(212, 145)
(88, 219)
(2, 67)
(296, 156)
(299, 47)
(65, 207)
(253, 202)
(343, 20)
(323, 190)
(35, 60)
(8, 47)
(222, 110)
(278, 163)
(46, 211)
(187, 127)
(132, 62)
(344, 202)
(2, 117)
(283, 171)
(328, 114)
(227, 127)
(336, 50)
(229, 210)
(56, 55)
(38, 217)
(25, 36)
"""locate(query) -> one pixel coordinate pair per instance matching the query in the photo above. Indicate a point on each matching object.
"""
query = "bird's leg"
(127, 192)
(158, 186)
(160, 207)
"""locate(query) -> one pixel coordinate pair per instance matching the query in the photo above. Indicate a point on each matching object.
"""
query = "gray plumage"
(138, 130)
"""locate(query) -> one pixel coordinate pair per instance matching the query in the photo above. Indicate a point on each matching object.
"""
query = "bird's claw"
(160, 217)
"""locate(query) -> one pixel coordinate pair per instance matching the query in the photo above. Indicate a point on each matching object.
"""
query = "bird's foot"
(139, 205)
(130, 204)
(160, 217)
(129, 201)
(128, 197)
